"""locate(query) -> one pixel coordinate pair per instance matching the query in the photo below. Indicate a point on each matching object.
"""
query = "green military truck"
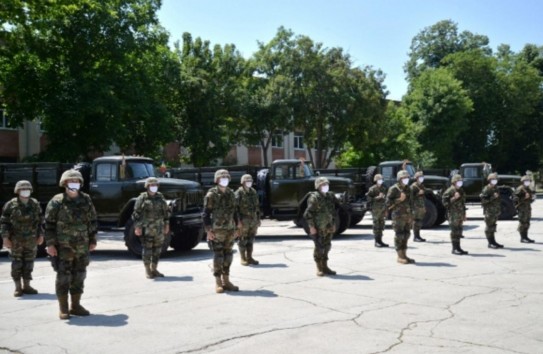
(363, 180)
(283, 189)
(114, 183)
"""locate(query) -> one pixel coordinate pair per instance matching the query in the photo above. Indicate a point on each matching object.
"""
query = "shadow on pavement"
(271, 265)
(434, 264)
(350, 277)
(485, 255)
(40, 296)
(168, 278)
(99, 320)
(521, 249)
(261, 293)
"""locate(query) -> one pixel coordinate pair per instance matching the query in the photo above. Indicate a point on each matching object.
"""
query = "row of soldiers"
(406, 204)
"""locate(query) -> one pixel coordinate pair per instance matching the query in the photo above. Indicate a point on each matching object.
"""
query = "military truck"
(114, 183)
(283, 189)
(363, 180)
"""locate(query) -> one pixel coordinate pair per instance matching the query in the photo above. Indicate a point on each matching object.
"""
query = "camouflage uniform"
(70, 226)
(21, 224)
(456, 209)
(249, 215)
(523, 199)
(419, 210)
(402, 217)
(220, 219)
(321, 214)
(151, 215)
(376, 196)
(491, 200)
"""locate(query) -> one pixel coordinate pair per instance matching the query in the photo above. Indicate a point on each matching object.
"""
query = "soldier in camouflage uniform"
(220, 222)
(491, 200)
(151, 222)
(524, 197)
(399, 201)
(249, 219)
(455, 201)
(320, 216)
(376, 196)
(70, 233)
(21, 230)
(419, 210)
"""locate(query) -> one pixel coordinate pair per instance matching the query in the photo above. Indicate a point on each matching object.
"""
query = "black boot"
(524, 237)
(457, 249)
(379, 242)
(417, 237)
(492, 242)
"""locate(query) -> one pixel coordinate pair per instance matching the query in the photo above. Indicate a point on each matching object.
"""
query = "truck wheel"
(133, 242)
(166, 244)
(355, 219)
(507, 208)
(188, 239)
(344, 221)
(299, 222)
(441, 214)
(430, 216)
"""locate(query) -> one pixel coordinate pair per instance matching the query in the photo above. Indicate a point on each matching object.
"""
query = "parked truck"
(283, 189)
(114, 183)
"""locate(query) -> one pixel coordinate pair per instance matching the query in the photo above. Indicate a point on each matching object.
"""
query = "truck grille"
(189, 200)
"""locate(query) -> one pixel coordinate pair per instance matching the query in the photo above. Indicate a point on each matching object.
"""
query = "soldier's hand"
(312, 230)
(92, 247)
(166, 229)
(137, 231)
(52, 251)
(39, 240)
(527, 196)
(421, 192)
(210, 235)
(380, 196)
(495, 195)
(402, 197)
(7, 243)
(456, 195)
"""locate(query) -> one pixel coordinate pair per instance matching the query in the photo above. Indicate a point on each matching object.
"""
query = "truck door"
(474, 180)
(105, 190)
(289, 185)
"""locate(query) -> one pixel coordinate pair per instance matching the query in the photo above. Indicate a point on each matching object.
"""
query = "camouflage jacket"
(393, 200)
(248, 206)
(20, 220)
(151, 210)
(520, 198)
(456, 207)
(321, 211)
(70, 221)
(220, 209)
(377, 204)
(490, 198)
(418, 199)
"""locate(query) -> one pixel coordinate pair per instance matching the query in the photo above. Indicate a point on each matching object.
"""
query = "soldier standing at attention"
(523, 198)
(455, 201)
(151, 221)
(249, 219)
(20, 227)
(220, 221)
(70, 233)
(490, 198)
(419, 210)
(377, 197)
(399, 201)
(320, 216)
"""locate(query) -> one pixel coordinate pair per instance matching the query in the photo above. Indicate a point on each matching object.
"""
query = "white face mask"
(421, 179)
(223, 182)
(25, 193)
(405, 181)
(379, 181)
(74, 186)
(493, 182)
(527, 183)
(459, 184)
(153, 189)
(325, 188)
(248, 184)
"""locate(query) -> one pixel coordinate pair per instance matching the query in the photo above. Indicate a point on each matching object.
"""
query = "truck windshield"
(410, 169)
(306, 169)
(140, 169)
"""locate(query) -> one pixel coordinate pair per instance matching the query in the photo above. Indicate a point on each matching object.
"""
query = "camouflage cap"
(320, 181)
(526, 178)
(70, 174)
(456, 178)
(151, 180)
(22, 184)
(493, 175)
(402, 174)
(419, 174)
(377, 177)
(246, 178)
(221, 174)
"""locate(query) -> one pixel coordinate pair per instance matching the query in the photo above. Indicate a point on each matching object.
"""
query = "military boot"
(401, 257)
(524, 237)
(457, 249)
(77, 309)
(243, 255)
(63, 313)
(327, 270)
(218, 285)
(409, 260)
(379, 242)
(27, 289)
(320, 271)
(18, 288)
(227, 285)
(250, 258)
(417, 237)
(155, 271)
(492, 241)
(148, 272)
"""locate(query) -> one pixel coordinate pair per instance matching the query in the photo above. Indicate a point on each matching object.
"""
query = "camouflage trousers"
(22, 255)
(378, 222)
(524, 216)
(152, 241)
(247, 237)
(491, 220)
(222, 251)
(456, 229)
(418, 217)
(71, 272)
(402, 230)
(323, 244)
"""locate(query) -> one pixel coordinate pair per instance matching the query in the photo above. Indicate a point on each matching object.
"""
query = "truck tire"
(507, 208)
(133, 242)
(42, 250)
(355, 219)
(430, 216)
(441, 214)
(343, 221)
(188, 239)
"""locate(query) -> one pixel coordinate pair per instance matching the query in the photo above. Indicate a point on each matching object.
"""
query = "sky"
(376, 33)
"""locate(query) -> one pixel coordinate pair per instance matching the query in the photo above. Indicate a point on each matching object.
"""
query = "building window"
(4, 121)
(298, 142)
(277, 141)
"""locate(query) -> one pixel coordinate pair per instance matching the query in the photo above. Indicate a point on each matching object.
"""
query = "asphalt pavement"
(490, 301)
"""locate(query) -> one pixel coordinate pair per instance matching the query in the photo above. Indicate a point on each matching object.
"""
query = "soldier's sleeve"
(93, 222)
(370, 195)
(51, 215)
(5, 221)
(166, 211)
(137, 213)
(208, 210)
(310, 211)
(446, 198)
(38, 219)
(391, 197)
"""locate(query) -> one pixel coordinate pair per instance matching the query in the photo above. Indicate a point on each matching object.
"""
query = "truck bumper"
(182, 222)
(358, 208)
